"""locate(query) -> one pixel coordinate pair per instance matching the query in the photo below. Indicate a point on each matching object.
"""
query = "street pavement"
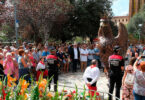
(68, 81)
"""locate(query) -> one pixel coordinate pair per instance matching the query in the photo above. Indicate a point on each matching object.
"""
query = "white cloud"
(115, 1)
(125, 13)
(120, 7)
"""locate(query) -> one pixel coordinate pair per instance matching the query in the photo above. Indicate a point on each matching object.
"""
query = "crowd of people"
(130, 77)
(133, 81)
(49, 60)
(30, 60)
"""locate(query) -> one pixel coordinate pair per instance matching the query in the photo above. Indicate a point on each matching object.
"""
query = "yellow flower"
(24, 85)
(11, 81)
(25, 96)
(49, 95)
(42, 85)
(0, 83)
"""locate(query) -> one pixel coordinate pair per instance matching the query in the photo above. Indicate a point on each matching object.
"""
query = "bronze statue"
(107, 41)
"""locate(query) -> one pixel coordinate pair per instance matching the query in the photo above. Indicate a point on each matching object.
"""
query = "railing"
(102, 94)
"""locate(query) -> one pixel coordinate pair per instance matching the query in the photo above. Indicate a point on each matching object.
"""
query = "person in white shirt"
(91, 75)
(74, 56)
(41, 69)
(41, 65)
(35, 55)
(83, 57)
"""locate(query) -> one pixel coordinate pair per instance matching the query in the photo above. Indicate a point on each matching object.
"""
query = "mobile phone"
(142, 56)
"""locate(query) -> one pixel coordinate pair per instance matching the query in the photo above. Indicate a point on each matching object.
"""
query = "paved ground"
(70, 79)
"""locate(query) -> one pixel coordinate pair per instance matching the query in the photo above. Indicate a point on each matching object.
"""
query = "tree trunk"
(63, 40)
(47, 29)
(91, 40)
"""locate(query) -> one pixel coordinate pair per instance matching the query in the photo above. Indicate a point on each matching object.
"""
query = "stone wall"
(120, 19)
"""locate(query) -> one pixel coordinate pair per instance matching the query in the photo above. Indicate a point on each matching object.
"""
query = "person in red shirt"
(116, 65)
(52, 64)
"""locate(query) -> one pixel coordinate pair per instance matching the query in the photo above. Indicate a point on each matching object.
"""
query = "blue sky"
(120, 7)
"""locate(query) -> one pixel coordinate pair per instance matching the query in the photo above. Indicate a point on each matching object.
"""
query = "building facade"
(134, 7)
(120, 19)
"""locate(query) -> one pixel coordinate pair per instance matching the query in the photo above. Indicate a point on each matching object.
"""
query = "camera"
(142, 56)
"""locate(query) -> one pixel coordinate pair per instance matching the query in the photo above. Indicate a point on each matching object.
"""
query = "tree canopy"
(85, 18)
(37, 17)
(136, 25)
(59, 19)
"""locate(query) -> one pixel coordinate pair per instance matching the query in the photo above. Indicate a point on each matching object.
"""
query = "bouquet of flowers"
(36, 90)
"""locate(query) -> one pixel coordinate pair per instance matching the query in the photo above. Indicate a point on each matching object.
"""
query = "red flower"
(64, 90)
(97, 94)
(74, 92)
(4, 94)
(96, 39)
(69, 95)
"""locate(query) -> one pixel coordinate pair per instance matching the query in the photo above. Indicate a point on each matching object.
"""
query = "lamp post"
(140, 25)
(15, 2)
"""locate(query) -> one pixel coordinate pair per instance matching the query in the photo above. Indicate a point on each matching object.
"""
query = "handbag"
(129, 80)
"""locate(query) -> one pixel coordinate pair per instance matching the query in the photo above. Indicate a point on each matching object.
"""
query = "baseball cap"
(117, 47)
(52, 50)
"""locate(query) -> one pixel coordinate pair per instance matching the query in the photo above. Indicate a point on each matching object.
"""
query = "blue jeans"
(138, 97)
(24, 72)
(89, 62)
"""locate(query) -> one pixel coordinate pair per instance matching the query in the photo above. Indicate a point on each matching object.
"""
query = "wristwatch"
(138, 59)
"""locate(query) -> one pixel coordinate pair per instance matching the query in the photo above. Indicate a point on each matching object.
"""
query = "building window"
(122, 20)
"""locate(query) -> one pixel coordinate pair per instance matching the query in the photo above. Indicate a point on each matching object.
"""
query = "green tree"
(84, 20)
(134, 24)
(6, 22)
(8, 32)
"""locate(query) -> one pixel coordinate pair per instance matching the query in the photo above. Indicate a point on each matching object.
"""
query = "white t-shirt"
(40, 66)
(91, 52)
(40, 54)
(82, 57)
(139, 82)
(75, 53)
(93, 73)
